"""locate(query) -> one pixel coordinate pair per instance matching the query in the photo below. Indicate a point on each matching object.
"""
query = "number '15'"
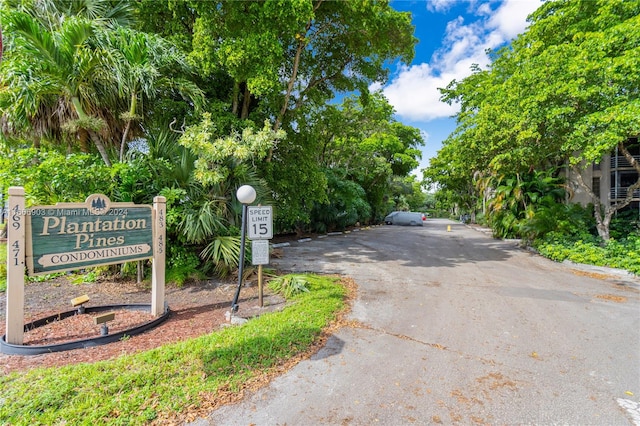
(260, 228)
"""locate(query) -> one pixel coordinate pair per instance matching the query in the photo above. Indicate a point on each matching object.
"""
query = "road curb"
(328, 234)
(622, 273)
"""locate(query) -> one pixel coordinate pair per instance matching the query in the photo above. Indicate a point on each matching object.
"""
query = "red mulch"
(196, 309)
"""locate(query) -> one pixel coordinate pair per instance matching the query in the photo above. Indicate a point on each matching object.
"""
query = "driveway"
(454, 327)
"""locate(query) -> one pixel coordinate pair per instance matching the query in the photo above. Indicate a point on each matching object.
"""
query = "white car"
(405, 218)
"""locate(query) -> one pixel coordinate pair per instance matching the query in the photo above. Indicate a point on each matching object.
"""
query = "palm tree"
(50, 79)
(83, 54)
(143, 66)
(516, 199)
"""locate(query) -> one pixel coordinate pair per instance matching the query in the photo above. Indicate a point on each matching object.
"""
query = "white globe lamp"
(246, 195)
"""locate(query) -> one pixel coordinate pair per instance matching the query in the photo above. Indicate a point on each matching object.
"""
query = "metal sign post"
(246, 194)
(260, 224)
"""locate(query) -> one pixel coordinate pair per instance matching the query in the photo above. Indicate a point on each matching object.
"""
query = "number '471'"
(16, 251)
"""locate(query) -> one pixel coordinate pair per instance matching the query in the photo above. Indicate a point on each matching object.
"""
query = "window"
(627, 179)
(595, 186)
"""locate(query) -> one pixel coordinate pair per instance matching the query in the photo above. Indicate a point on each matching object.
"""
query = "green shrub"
(290, 285)
(625, 223)
(182, 265)
(90, 276)
(622, 254)
(49, 177)
(570, 220)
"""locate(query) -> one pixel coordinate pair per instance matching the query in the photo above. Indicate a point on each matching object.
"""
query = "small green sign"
(72, 235)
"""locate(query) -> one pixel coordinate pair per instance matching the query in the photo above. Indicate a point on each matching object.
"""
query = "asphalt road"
(458, 328)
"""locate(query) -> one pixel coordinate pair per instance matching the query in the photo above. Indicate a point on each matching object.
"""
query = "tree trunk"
(302, 42)
(602, 223)
(629, 158)
(294, 75)
(82, 139)
(133, 105)
(123, 142)
(234, 101)
(101, 149)
(95, 138)
(246, 101)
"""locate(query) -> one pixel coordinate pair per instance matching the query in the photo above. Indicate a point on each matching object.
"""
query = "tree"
(144, 67)
(362, 139)
(565, 91)
(249, 41)
(591, 104)
(452, 172)
(88, 69)
(293, 52)
(223, 164)
(285, 60)
(52, 71)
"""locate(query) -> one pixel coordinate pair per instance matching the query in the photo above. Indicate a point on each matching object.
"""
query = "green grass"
(161, 383)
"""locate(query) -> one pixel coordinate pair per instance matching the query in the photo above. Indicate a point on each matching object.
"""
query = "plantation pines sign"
(70, 236)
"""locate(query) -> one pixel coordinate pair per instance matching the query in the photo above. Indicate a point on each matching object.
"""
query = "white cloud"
(413, 90)
(414, 93)
(439, 5)
(510, 19)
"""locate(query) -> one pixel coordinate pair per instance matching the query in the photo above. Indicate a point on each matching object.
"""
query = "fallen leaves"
(612, 298)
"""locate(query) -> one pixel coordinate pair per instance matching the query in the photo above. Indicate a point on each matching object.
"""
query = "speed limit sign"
(260, 222)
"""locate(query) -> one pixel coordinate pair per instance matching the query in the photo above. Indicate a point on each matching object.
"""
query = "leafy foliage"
(623, 254)
(50, 177)
(625, 223)
(224, 253)
(214, 153)
(346, 205)
(182, 265)
(290, 285)
(516, 199)
(571, 220)
(565, 91)
(123, 79)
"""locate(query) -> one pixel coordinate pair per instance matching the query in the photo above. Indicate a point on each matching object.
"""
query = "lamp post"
(246, 195)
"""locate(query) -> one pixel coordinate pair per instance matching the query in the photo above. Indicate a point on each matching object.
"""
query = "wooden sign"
(77, 235)
(70, 236)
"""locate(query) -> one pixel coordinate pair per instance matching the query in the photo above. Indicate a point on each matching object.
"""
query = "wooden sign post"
(16, 250)
(159, 255)
(70, 236)
(260, 232)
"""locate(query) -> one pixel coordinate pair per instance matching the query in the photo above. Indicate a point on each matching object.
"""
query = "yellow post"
(448, 228)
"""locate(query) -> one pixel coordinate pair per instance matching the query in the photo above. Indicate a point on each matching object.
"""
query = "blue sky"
(453, 35)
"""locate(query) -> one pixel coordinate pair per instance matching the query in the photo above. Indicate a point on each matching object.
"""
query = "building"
(611, 178)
